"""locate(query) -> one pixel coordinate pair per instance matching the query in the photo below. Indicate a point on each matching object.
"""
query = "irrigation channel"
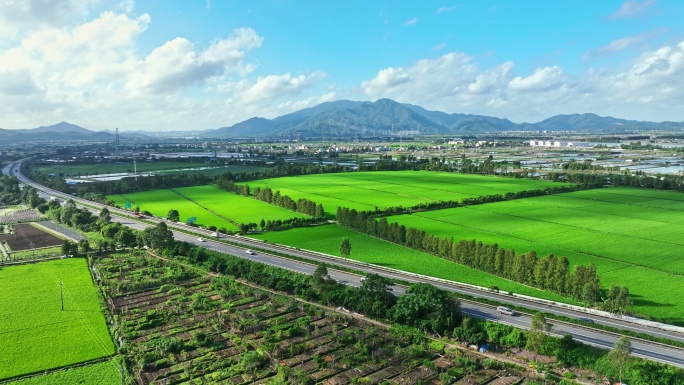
(585, 334)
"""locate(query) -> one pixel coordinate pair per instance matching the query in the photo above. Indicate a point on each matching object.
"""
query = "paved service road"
(657, 352)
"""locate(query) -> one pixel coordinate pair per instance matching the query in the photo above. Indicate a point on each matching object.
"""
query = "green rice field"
(327, 238)
(381, 189)
(236, 207)
(633, 236)
(35, 334)
(211, 206)
(104, 373)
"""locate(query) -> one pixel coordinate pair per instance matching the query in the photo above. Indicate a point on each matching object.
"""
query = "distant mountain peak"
(62, 127)
(386, 117)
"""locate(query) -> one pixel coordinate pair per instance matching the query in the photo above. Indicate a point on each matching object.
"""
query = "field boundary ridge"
(77, 365)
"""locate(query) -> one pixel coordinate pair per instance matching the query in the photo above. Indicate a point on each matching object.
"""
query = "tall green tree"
(621, 354)
(31, 197)
(617, 299)
(173, 215)
(83, 246)
(427, 308)
(321, 280)
(345, 247)
(470, 331)
(104, 217)
(539, 328)
(67, 247)
(157, 237)
(375, 296)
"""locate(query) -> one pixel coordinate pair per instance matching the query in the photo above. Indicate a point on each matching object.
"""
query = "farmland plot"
(198, 330)
(28, 237)
(632, 236)
(36, 334)
(27, 242)
(238, 208)
(210, 205)
(368, 190)
(159, 202)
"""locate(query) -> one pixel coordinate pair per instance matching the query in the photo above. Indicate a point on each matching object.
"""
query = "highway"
(657, 352)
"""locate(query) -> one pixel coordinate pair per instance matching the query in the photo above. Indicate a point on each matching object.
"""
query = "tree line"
(546, 273)
(637, 179)
(438, 205)
(266, 194)
(279, 224)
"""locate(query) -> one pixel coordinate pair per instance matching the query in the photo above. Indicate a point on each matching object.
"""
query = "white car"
(505, 310)
(250, 252)
(200, 239)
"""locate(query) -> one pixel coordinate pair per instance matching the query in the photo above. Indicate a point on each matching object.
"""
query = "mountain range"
(346, 119)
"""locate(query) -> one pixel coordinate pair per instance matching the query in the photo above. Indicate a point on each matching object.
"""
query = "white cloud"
(491, 79)
(126, 6)
(269, 96)
(650, 88)
(631, 8)
(446, 9)
(622, 44)
(274, 86)
(18, 15)
(542, 79)
(178, 64)
(411, 21)
(17, 82)
(94, 69)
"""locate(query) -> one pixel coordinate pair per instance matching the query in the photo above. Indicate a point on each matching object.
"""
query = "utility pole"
(121, 369)
(61, 294)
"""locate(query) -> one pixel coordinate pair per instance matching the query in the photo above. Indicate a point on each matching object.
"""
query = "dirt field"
(27, 237)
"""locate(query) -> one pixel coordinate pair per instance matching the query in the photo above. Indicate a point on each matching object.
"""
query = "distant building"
(558, 144)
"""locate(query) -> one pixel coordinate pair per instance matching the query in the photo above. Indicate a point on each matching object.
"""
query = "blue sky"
(190, 65)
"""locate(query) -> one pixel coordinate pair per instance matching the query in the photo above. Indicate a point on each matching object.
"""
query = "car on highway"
(201, 239)
(250, 252)
(587, 320)
(505, 310)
